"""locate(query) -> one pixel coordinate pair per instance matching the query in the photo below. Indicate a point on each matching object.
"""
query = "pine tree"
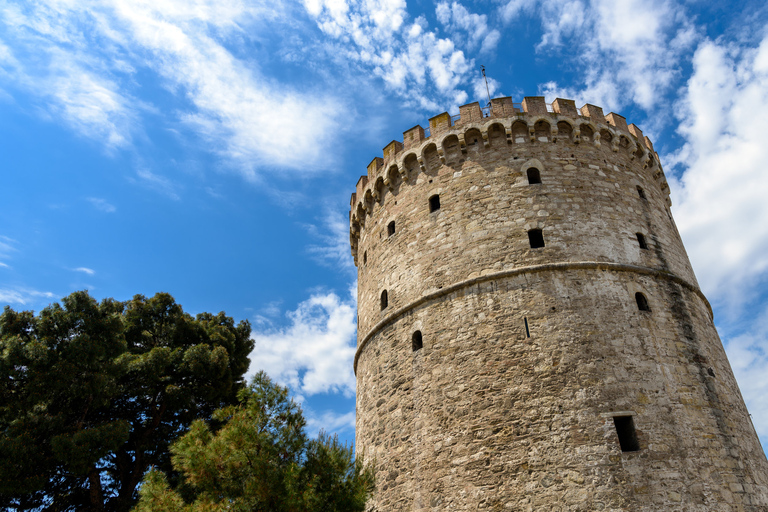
(259, 460)
(92, 395)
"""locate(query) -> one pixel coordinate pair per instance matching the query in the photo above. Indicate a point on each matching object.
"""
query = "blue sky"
(208, 148)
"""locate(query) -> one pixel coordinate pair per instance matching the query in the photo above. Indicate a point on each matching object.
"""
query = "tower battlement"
(531, 335)
(532, 121)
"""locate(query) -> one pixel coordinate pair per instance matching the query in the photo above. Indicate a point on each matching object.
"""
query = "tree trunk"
(94, 491)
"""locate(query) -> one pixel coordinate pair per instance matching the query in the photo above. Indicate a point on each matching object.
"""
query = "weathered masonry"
(531, 334)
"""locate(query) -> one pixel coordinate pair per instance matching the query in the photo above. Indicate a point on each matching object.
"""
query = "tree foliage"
(93, 394)
(259, 460)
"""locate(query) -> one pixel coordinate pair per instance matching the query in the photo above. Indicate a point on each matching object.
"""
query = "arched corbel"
(615, 144)
(596, 139)
(403, 172)
(441, 154)
(576, 135)
(462, 143)
(486, 142)
(553, 132)
(632, 150)
(508, 131)
(532, 133)
(420, 159)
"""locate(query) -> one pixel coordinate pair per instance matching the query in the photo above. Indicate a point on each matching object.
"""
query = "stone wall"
(529, 353)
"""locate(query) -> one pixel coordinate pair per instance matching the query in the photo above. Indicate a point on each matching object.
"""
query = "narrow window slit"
(625, 429)
(391, 228)
(536, 238)
(641, 241)
(527, 331)
(384, 300)
(434, 203)
(642, 302)
(365, 257)
(534, 176)
(416, 341)
(641, 192)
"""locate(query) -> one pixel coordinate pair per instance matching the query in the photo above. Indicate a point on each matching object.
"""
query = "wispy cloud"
(22, 296)
(159, 184)
(85, 78)
(329, 421)
(7, 246)
(719, 200)
(102, 205)
(314, 353)
(333, 234)
(84, 270)
(626, 51)
(426, 69)
(467, 29)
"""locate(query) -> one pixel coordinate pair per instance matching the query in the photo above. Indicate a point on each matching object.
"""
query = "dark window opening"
(527, 331)
(391, 228)
(384, 300)
(642, 302)
(536, 238)
(365, 257)
(641, 241)
(434, 203)
(625, 428)
(416, 341)
(641, 192)
(534, 176)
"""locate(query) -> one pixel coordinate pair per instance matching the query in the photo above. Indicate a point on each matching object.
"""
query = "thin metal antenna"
(482, 68)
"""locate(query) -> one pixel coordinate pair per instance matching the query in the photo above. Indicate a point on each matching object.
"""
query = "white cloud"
(628, 51)
(4, 265)
(427, 70)
(748, 356)
(102, 205)
(7, 246)
(22, 296)
(329, 421)
(333, 234)
(85, 78)
(467, 28)
(720, 200)
(85, 270)
(314, 353)
(159, 184)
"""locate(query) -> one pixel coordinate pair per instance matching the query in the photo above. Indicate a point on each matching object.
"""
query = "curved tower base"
(537, 340)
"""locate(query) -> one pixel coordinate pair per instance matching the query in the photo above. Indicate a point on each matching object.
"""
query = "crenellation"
(391, 150)
(470, 113)
(617, 121)
(413, 137)
(565, 108)
(593, 112)
(634, 130)
(439, 124)
(360, 187)
(535, 105)
(503, 107)
(533, 340)
(374, 167)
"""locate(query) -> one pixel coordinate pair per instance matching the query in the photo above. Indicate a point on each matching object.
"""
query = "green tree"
(92, 395)
(259, 460)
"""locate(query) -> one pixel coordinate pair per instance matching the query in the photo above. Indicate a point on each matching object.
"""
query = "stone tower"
(531, 335)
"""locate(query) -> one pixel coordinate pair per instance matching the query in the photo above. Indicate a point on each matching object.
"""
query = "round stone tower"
(531, 335)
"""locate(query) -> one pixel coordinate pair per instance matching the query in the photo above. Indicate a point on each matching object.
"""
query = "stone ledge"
(575, 265)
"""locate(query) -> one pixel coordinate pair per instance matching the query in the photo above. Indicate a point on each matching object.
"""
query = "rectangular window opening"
(625, 428)
(527, 331)
(536, 238)
(434, 203)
